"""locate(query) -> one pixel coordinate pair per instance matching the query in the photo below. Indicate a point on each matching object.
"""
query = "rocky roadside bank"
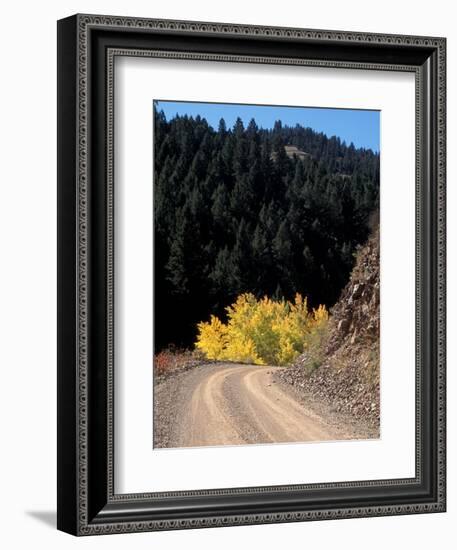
(345, 372)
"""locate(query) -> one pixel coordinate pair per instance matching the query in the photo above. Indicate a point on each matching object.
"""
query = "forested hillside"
(236, 212)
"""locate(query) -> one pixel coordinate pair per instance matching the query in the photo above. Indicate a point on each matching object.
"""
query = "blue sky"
(360, 127)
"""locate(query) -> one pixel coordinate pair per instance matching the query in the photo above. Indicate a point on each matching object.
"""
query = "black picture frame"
(87, 45)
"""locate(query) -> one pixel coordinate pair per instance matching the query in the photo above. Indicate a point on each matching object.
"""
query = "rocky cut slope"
(344, 368)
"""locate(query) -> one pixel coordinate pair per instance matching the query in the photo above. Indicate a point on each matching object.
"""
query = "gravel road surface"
(235, 404)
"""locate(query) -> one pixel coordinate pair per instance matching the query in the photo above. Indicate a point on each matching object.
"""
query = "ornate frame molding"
(81, 513)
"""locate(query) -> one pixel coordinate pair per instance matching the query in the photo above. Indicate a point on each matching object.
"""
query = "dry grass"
(173, 360)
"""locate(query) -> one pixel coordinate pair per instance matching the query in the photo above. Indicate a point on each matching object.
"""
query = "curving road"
(234, 404)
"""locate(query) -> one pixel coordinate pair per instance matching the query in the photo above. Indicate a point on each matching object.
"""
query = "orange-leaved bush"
(263, 332)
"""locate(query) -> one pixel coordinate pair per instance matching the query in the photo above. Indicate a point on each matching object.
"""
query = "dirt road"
(233, 404)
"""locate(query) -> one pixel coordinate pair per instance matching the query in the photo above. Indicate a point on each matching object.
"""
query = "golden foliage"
(263, 332)
(212, 338)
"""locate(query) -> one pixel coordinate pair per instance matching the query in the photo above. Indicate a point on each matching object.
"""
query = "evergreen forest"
(272, 212)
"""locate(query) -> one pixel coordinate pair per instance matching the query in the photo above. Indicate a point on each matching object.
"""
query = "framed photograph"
(251, 274)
